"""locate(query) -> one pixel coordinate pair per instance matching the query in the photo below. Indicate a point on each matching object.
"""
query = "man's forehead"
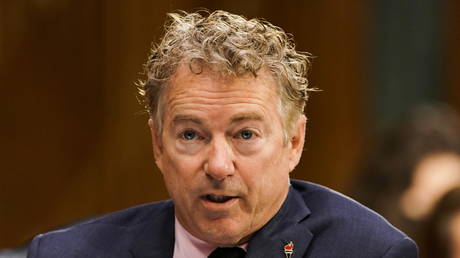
(188, 92)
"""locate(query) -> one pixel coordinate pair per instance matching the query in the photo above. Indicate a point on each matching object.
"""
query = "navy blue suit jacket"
(320, 223)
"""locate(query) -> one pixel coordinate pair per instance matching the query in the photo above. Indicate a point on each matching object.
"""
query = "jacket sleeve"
(33, 248)
(405, 248)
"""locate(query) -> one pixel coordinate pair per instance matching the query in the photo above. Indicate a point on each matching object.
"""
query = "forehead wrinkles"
(206, 97)
(209, 105)
(206, 92)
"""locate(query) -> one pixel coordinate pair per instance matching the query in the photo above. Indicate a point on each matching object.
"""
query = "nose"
(220, 162)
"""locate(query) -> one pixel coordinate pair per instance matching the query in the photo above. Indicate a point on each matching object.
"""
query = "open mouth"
(217, 198)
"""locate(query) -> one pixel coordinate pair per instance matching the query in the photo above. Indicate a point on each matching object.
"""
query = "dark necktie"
(232, 252)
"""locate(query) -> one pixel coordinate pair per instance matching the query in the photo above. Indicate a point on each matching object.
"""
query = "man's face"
(222, 154)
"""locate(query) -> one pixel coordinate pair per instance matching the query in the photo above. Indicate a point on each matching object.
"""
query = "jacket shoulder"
(341, 225)
(109, 234)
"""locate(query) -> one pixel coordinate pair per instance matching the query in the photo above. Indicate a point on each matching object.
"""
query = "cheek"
(275, 160)
(178, 183)
(266, 172)
(276, 173)
(179, 171)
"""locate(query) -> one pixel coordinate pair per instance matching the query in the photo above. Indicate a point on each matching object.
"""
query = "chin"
(223, 236)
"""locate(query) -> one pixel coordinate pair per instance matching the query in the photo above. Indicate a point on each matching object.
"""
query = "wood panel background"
(453, 54)
(75, 143)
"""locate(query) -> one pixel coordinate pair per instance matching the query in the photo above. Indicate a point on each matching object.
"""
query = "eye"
(246, 134)
(189, 135)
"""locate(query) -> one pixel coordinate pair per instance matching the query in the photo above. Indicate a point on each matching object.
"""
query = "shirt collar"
(188, 246)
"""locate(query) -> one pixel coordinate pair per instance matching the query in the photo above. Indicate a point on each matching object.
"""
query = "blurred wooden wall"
(453, 56)
(74, 142)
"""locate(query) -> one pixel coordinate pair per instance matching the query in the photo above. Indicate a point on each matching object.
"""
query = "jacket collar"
(283, 228)
(155, 238)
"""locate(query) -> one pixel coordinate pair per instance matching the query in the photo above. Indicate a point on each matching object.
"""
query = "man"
(226, 97)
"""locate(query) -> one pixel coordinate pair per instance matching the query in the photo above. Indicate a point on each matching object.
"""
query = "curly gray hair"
(234, 46)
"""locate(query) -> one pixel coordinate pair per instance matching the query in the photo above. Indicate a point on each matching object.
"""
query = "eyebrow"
(235, 119)
(187, 118)
(245, 116)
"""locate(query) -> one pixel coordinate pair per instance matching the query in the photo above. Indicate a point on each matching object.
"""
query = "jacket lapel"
(282, 229)
(155, 238)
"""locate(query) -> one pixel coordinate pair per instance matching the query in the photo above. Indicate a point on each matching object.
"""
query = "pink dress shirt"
(188, 246)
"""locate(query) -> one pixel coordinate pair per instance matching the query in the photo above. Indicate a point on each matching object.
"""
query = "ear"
(156, 141)
(297, 141)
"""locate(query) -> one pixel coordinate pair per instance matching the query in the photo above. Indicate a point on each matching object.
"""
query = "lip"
(215, 206)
